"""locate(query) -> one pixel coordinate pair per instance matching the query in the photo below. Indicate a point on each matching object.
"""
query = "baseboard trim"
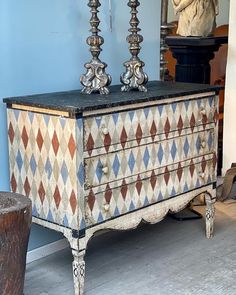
(46, 250)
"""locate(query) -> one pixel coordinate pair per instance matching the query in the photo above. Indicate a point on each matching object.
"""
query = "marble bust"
(196, 17)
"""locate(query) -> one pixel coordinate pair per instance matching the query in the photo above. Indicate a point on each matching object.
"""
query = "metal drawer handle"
(105, 170)
(106, 207)
(202, 175)
(203, 111)
(203, 144)
(105, 130)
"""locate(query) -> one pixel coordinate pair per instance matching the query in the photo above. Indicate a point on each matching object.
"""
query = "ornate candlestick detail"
(134, 77)
(96, 79)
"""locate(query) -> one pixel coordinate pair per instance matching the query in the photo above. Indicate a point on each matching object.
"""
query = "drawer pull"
(203, 144)
(105, 170)
(203, 111)
(105, 130)
(106, 207)
(202, 175)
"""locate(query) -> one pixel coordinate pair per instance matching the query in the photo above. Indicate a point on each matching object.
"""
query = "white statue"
(196, 17)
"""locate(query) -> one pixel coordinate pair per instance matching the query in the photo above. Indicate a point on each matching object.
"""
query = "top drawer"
(137, 125)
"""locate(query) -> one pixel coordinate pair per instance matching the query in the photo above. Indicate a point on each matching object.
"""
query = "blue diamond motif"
(46, 119)
(197, 184)
(48, 168)
(99, 170)
(199, 103)
(173, 192)
(174, 106)
(116, 213)
(146, 112)
(131, 206)
(146, 157)
(19, 160)
(31, 116)
(209, 179)
(34, 211)
(186, 103)
(115, 117)
(198, 144)
(80, 174)
(160, 197)
(50, 217)
(131, 115)
(185, 187)
(210, 140)
(173, 150)
(33, 164)
(98, 121)
(62, 122)
(160, 153)
(64, 172)
(116, 165)
(211, 101)
(100, 218)
(16, 113)
(82, 224)
(160, 109)
(65, 221)
(186, 147)
(80, 124)
(146, 203)
(131, 161)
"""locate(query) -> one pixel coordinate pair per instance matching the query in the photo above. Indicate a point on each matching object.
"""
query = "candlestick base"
(96, 79)
(134, 77)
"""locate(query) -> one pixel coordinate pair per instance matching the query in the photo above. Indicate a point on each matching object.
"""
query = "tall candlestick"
(96, 79)
(134, 77)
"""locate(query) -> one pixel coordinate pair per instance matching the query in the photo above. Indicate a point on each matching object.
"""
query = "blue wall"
(43, 49)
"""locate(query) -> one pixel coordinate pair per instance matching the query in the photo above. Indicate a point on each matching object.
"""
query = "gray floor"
(170, 257)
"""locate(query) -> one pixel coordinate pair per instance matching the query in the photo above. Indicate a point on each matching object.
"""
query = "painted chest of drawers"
(108, 162)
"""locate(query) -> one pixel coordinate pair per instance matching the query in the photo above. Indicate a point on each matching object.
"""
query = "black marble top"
(75, 102)
(196, 41)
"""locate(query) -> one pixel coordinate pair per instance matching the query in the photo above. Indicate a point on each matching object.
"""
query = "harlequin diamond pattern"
(143, 192)
(129, 162)
(43, 163)
(148, 123)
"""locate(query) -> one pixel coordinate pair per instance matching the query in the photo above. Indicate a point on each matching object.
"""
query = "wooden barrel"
(15, 221)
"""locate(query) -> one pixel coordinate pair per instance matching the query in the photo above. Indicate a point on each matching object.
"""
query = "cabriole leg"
(78, 271)
(210, 215)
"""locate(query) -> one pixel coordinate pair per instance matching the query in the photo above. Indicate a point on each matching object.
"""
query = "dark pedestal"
(15, 221)
(193, 55)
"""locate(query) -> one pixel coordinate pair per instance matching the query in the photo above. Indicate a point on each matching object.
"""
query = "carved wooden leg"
(78, 271)
(210, 215)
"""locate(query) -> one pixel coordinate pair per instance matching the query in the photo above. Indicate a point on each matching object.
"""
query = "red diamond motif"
(179, 172)
(11, 133)
(153, 130)
(204, 119)
(192, 122)
(153, 180)
(123, 137)
(180, 125)
(25, 137)
(13, 183)
(73, 201)
(167, 175)
(41, 192)
(39, 140)
(124, 189)
(108, 194)
(55, 143)
(57, 197)
(167, 128)
(139, 134)
(191, 168)
(27, 187)
(216, 116)
(91, 199)
(203, 164)
(139, 185)
(71, 146)
(107, 142)
(90, 144)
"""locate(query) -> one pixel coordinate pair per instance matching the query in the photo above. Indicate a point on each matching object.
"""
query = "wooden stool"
(15, 221)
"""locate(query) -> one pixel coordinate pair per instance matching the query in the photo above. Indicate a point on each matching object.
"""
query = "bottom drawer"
(143, 192)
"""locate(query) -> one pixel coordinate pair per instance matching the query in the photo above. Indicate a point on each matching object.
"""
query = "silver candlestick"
(96, 79)
(134, 77)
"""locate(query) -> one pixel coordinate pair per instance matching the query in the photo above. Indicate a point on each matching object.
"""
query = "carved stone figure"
(196, 17)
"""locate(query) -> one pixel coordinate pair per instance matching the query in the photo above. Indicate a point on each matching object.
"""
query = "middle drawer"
(111, 167)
